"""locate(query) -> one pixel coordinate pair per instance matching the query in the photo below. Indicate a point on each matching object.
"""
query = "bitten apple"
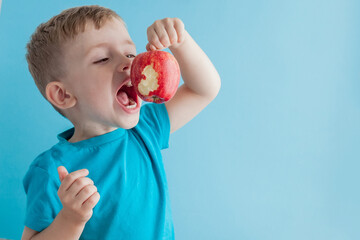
(155, 76)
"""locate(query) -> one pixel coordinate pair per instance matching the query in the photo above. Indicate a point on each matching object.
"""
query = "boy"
(80, 61)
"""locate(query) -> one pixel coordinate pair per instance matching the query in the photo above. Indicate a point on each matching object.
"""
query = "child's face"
(98, 64)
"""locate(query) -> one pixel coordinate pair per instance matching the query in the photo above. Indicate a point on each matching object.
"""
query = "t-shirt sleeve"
(43, 203)
(155, 117)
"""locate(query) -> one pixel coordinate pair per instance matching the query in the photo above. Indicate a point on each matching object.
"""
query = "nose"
(125, 64)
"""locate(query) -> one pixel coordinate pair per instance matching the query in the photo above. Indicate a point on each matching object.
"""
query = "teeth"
(128, 84)
(132, 104)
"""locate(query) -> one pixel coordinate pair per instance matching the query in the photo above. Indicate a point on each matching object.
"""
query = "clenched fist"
(164, 33)
(77, 194)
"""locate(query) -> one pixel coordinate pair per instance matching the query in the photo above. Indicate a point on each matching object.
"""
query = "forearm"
(197, 71)
(61, 228)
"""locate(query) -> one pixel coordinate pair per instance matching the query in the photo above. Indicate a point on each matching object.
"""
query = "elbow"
(216, 88)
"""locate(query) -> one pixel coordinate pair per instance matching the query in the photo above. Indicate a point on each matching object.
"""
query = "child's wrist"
(71, 221)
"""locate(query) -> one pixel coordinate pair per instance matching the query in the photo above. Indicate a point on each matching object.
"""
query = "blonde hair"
(44, 50)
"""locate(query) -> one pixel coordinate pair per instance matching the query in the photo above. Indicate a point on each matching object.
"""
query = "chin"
(129, 122)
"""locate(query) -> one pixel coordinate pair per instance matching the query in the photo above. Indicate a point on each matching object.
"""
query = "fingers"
(180, 30)
(78, 194)
(162, 35)
(165, 33)
(91, 202)
(153, 39)
(79, 185)
(62, 172)
(172, 35)
(71, 178)
(85, 193)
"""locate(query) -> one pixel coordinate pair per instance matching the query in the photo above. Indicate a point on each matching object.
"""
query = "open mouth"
(126, 96)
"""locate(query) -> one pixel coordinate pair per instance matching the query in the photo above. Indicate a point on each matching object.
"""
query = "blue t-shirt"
(126, 167)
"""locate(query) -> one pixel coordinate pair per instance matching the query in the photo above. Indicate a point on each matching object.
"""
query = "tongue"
(123, 98)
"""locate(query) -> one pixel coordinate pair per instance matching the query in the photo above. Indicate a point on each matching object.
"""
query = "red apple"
(155, 76)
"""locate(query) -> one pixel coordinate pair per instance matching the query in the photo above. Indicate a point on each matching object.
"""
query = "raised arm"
(201, 80)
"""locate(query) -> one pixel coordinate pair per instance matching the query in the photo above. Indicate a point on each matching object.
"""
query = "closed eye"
(103, 60)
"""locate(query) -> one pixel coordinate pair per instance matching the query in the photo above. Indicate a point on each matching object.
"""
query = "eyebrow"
(104, 44)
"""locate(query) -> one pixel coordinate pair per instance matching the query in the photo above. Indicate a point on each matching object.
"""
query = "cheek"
(95, 96)
(94, 89)
(100, 96)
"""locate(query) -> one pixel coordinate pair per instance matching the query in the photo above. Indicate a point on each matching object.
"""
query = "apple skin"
(155, 76)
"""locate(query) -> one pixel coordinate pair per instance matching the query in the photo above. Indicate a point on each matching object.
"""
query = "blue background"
(275, 156)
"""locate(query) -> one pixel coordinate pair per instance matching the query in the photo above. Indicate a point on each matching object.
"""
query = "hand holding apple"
(164, 33)
(155, 76)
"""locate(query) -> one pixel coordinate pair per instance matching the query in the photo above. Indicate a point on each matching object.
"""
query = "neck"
(86, 132)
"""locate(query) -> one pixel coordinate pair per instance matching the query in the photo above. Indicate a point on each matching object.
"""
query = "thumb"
(62, 172)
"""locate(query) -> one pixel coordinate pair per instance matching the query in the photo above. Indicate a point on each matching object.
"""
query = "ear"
(59, 96)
